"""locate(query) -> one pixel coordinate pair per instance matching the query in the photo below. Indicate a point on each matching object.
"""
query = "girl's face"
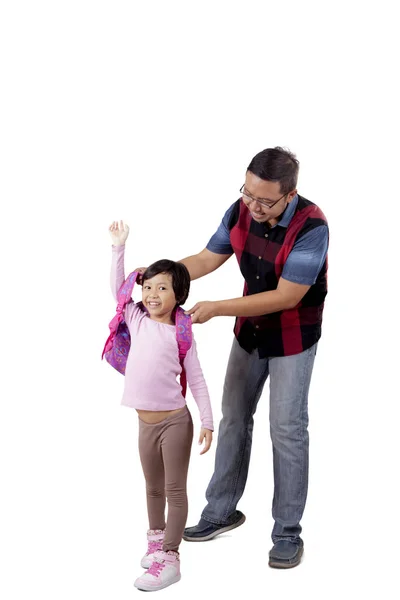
(158, 297)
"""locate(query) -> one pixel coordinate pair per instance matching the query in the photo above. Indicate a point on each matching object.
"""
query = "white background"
(151, 112)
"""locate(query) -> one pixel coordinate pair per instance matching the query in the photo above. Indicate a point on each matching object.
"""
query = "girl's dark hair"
(276, 164)
(179, 274)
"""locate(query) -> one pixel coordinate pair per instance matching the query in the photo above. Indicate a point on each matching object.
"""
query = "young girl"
(165, 423)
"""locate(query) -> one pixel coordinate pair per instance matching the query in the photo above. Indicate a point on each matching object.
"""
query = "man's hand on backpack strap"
(203, 311)
(139, 278)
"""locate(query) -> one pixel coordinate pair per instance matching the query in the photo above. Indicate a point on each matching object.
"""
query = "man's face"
(264, 199)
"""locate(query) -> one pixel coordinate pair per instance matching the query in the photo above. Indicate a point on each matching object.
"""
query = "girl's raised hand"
(119, 233)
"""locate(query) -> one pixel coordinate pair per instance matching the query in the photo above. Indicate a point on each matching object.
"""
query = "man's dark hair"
(179, 274)
(276, 164)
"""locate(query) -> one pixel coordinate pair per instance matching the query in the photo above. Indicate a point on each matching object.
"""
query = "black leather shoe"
(205, 530)
(286, 554)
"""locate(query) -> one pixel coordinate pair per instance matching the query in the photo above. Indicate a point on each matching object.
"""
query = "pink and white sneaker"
(164, 571)
(155, 538)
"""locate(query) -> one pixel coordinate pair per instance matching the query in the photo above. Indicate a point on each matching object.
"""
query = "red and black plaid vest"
(261, 252)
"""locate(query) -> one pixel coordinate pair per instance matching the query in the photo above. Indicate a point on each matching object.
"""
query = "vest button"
(257, 327)
(266, 235)
(260, 257)
(258, 277)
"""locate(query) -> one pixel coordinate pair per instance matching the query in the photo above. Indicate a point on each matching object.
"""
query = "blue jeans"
(244, 382)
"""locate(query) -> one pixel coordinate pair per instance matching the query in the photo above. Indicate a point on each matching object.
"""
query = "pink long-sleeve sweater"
(153, 368)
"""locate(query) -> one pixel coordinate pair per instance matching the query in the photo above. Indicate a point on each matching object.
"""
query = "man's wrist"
(219, 308)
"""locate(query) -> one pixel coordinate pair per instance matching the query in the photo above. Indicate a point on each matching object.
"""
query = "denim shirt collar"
(289, 212)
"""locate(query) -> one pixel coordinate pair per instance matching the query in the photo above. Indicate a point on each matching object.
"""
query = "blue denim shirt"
(304, 261)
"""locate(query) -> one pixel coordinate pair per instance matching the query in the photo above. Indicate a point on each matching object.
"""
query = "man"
(280, 240)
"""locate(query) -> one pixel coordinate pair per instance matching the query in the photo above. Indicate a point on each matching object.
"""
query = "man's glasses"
(263, 202)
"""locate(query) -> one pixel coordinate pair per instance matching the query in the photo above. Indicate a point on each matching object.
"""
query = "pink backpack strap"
(125, 291)
(184, 337)
(123, 297)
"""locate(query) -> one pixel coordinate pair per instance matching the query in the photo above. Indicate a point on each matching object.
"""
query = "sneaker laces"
(156, 568)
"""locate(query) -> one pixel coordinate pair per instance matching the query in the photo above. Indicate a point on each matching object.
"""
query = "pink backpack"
(118, 344)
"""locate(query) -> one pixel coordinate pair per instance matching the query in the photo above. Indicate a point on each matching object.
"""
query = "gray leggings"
(164, 450)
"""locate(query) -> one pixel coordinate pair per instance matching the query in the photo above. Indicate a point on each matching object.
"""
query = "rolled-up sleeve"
(307, 257)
